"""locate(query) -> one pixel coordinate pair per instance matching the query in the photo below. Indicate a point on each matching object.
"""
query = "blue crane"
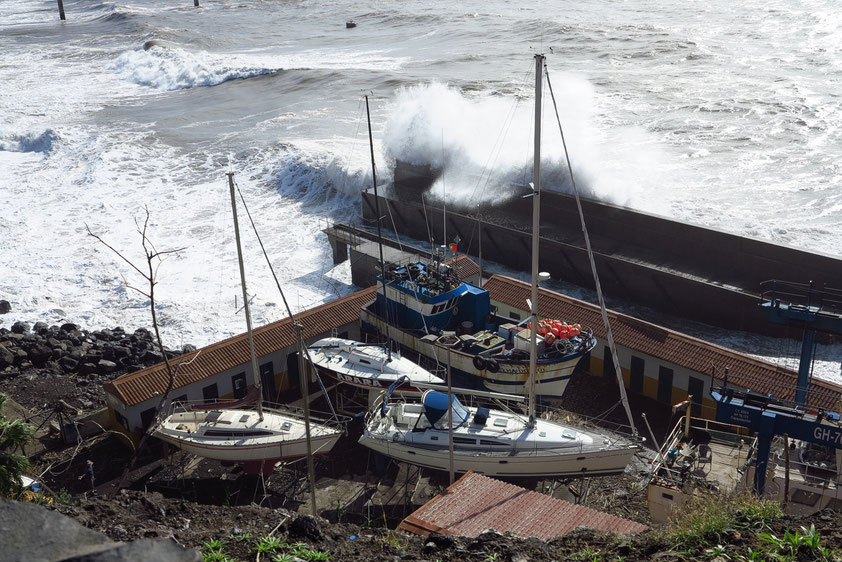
(816, 312)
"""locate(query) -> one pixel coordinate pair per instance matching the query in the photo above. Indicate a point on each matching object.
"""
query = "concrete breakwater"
(679, 269)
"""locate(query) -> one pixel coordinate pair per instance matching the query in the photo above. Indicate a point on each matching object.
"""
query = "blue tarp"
(435, 408)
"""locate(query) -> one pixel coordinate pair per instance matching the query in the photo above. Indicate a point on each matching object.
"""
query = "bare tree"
(154, 258)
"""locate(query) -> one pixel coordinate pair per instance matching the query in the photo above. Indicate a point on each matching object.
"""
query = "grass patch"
(705, 520)
(268, 545)
(213, 551)
(300, 550)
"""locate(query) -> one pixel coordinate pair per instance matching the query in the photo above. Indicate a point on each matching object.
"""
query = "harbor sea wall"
(683, 270)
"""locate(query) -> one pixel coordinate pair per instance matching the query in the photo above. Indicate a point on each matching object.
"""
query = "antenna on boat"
(254, 366)
(379, 233)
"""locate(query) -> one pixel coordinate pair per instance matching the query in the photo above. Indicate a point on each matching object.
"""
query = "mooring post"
(61, 9)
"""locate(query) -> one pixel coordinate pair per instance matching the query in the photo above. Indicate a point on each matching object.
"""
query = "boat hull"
(362, 382)
(198, 433)
(556, 463)
(242, 453)
(366, 366)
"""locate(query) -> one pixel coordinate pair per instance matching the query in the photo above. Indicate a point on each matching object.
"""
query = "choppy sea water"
(725, 115)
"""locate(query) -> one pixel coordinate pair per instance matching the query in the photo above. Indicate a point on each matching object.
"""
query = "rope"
(600, 297)
(286, 304)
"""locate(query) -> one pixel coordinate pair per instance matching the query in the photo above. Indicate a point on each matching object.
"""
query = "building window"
(238, 383)
(515, 315)
(664, 385)
(121, 419)
(607, 363)
(146, 417)
(182, 399)
(696, 388)
(210, 392)
(636, 374)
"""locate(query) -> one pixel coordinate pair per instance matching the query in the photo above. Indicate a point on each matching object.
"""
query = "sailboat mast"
(254, 366)
(379, 234)
(536, 222)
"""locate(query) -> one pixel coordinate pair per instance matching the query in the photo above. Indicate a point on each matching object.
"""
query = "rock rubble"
(78, 361)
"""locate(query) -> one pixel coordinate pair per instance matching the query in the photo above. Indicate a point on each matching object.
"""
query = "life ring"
(492, 365)
(479, 363)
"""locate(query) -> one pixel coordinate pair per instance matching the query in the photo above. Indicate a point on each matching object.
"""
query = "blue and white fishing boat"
(424, 306)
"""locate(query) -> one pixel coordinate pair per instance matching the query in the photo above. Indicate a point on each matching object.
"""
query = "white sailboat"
(493, 442)
(244, 434)
(365, 365)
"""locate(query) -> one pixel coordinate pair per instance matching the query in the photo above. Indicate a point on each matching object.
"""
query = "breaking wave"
(29, 142)
(175, 69)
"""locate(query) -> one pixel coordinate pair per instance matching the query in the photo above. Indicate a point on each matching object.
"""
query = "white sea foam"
(484, 145)
(173, 68)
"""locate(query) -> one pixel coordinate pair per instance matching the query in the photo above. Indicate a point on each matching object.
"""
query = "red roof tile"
(475, 503)
(463, 266)
(142, 385)
(673, 347)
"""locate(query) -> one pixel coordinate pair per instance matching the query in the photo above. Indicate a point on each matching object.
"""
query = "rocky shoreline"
(74, 362)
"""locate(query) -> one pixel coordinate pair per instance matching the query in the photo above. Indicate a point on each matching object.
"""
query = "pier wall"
(675, 268)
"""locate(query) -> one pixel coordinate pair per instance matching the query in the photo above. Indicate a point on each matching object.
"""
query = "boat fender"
(549, 339)
(492, 365)
(479, 362)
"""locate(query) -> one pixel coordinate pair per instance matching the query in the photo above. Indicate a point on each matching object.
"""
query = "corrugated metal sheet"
(142, 385)
(475, 503)
(673, 347)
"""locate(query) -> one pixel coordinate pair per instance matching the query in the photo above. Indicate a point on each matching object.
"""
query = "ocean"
(127, 116)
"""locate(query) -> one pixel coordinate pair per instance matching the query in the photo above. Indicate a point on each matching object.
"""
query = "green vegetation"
(213, 551)
(300, 550)
(273, 548)
(706, 520)
(269, 545)
(792, 545)
(13, 435)
(589, 554)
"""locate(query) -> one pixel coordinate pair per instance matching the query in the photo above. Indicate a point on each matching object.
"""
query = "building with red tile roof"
(658, 362)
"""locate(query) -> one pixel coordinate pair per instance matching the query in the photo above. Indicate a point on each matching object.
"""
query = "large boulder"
(5, 307)
(39, 354)
(31, 532)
